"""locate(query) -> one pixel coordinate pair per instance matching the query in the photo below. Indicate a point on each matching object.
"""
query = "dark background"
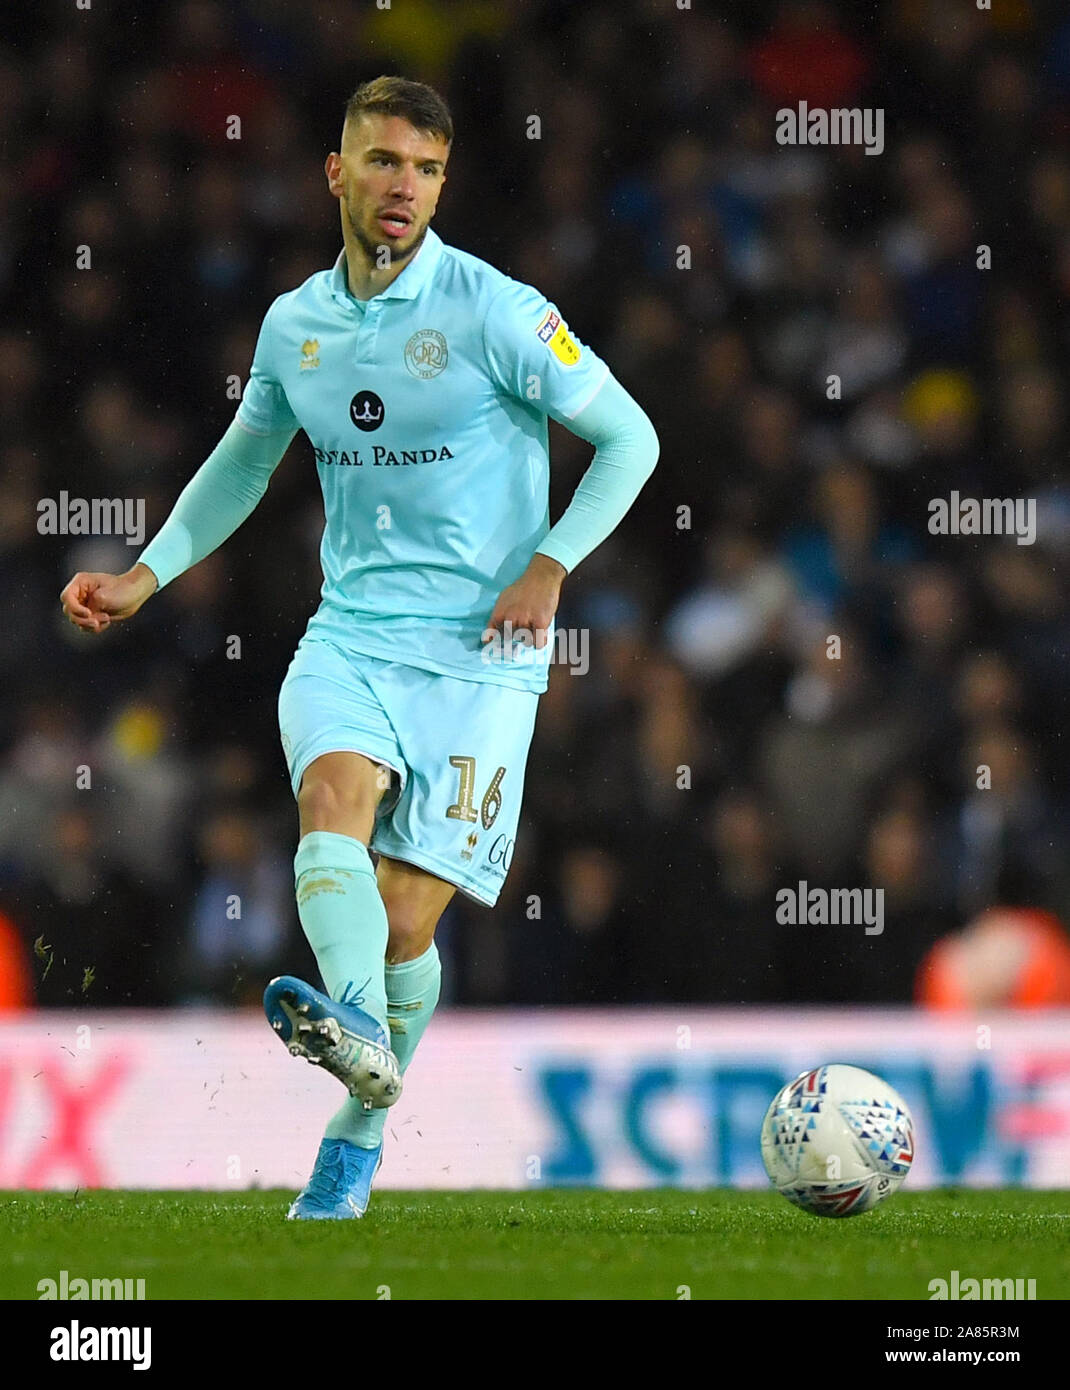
(808, 516)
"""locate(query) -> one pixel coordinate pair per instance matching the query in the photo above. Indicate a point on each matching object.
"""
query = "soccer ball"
(837, 1140)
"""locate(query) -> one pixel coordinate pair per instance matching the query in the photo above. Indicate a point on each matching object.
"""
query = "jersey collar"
(407, 285)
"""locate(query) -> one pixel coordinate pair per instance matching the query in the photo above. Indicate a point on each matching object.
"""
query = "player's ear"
(333, 169)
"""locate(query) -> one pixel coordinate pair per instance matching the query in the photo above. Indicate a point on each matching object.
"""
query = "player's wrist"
(546, 567)
(146, 579)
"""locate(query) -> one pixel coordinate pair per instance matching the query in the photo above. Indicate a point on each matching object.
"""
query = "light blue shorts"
(457, 750)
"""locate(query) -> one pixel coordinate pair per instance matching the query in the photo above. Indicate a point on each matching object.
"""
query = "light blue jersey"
(427, 408)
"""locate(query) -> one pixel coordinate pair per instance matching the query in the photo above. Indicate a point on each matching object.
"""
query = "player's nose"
(404, 185)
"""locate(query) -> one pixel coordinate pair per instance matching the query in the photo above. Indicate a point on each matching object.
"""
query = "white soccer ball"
(837, 1140)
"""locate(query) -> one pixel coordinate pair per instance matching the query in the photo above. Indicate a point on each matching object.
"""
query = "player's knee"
(323, 804)
(411, 933)
(414, 902)
(412, 920)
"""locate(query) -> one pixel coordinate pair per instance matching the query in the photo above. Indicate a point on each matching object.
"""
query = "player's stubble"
(372, 248)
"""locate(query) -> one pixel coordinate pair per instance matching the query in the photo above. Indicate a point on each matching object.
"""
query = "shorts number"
(492, 799)
(464, 807)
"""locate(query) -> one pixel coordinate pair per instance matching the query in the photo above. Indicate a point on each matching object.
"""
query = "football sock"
(344, 918)
(412, 990)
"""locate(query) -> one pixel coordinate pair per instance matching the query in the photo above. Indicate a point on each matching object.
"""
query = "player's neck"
(363, 276)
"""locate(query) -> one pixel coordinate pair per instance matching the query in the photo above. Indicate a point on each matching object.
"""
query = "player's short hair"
(415, 102)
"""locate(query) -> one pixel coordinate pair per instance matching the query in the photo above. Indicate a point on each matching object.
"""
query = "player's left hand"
(529, 605)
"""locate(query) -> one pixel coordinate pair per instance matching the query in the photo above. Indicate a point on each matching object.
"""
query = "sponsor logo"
(366, 410)
(548, 327)
(500, 856)
(426, 353)
(554, 334)
(381, 457)
(564, 348)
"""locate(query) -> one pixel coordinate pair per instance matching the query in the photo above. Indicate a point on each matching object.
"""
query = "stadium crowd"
(831, 353)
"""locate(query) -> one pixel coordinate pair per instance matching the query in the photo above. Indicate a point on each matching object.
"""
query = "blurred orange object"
(16, 991)
(1008, 957)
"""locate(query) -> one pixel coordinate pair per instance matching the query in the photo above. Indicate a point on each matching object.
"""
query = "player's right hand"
(94, 601)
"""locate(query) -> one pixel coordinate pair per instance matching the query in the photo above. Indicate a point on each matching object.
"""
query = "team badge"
(425, 353)
(310, 350)
(554, 334)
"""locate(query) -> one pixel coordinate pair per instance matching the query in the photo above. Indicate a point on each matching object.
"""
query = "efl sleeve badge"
(554, 334)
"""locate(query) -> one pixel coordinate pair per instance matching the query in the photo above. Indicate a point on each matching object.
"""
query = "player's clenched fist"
(94, 601)
(530, 604)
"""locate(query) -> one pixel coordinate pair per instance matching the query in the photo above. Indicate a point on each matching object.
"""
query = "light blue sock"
(343, 916)
(412, 990)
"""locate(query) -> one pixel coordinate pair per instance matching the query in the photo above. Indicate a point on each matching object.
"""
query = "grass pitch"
(550, 1244)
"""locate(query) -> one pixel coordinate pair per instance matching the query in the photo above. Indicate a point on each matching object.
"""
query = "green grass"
(558, 1244)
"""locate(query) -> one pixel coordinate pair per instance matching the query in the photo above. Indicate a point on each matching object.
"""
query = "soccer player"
(423, 378)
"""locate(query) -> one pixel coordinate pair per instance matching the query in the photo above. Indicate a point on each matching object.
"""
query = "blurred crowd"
(829, 359)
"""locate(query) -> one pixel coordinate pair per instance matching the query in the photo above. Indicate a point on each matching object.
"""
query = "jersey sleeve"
(264, 408)
(217, 499)
(532, 355)
(626, 450)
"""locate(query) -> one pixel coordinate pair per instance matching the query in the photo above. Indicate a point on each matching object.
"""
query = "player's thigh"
(466, 746)
(339, 743)
(340, 792)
